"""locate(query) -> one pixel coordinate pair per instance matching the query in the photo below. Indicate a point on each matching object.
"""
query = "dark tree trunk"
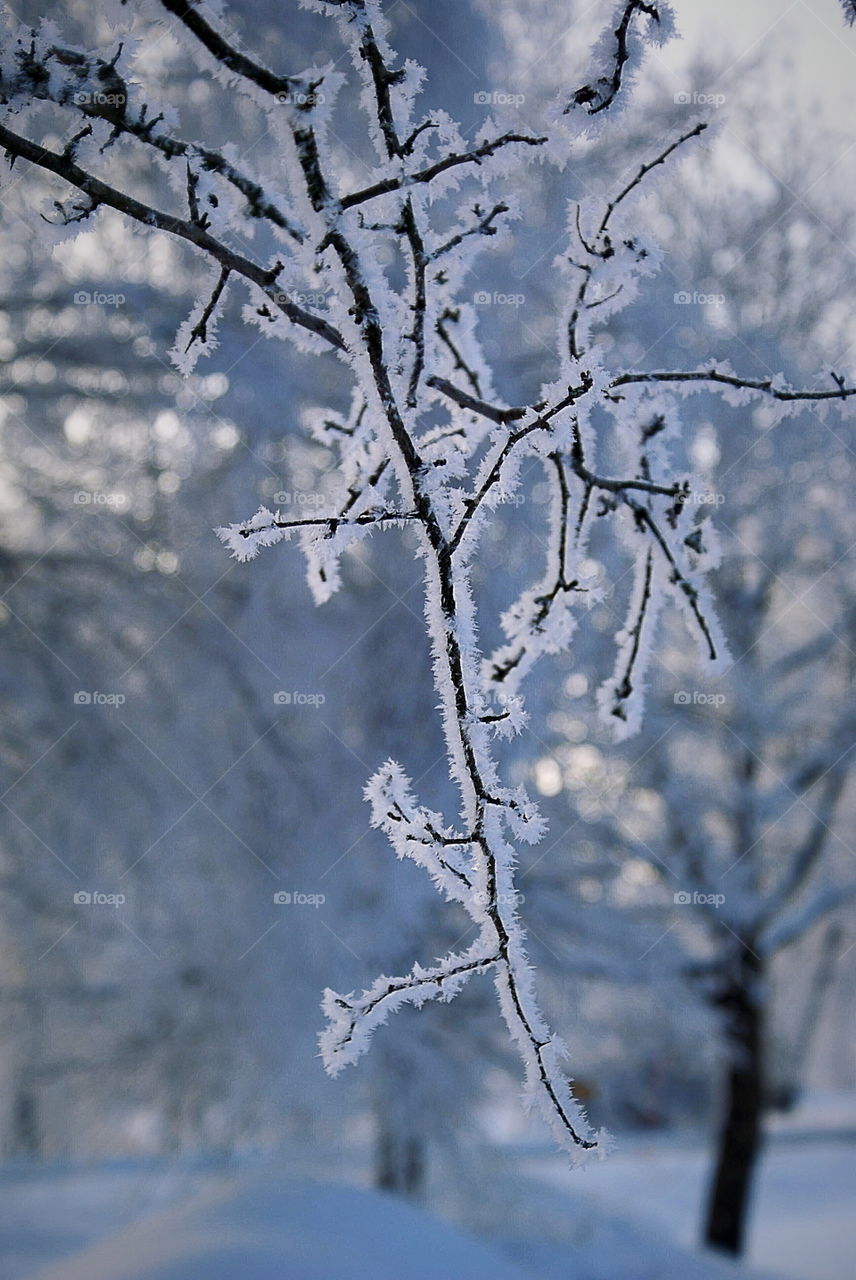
(26, 1139)
(740, 1134)
(400, 1165)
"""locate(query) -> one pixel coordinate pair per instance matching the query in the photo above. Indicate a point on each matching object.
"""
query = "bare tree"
(752, 776)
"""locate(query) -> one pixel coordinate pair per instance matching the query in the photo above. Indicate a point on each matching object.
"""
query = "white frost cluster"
(246, 540)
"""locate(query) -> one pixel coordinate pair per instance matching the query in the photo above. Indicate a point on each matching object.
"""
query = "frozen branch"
(600, 93)
(679, 579)
(764, 386)
(467, 401)
(479, 153)
(426, 442)
(484, 226)
(494, 465)
(353, 1020)
(639, 177)
(224, 51)
(100, 193)
(37, 80)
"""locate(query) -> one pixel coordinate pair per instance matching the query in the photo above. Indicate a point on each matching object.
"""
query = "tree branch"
(541, 423)
(238, 63)
(597, 97)
(763, 385)
(36, 76)
(479, 153)
(99, 193)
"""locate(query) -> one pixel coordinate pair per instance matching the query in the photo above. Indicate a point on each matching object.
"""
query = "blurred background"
(186, 858)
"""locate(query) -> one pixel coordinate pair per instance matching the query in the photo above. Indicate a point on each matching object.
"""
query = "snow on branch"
(352, 1020)
(37, 68)
(100, 194)
(266, 528)
(418, 833)
(426, 444)
(482, 151)
(200, 329)
(721, 375)
(618, 50)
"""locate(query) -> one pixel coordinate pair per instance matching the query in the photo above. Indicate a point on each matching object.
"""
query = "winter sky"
(820, 51)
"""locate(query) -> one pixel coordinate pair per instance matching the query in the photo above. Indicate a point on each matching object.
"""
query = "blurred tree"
(740, 800)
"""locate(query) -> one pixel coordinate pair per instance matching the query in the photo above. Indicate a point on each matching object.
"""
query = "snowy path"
(524, 1215)
(150, 1222)
(268, 1227)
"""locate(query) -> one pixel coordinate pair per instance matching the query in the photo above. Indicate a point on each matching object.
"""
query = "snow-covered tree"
(375, 269)
(740, 806)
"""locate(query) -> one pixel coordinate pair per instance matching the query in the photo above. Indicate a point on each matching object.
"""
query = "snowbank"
(254, 1228)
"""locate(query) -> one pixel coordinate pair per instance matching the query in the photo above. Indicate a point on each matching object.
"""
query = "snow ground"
(803, 1224)
(251, 1229)
(513, 1215)
(263, 1225)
